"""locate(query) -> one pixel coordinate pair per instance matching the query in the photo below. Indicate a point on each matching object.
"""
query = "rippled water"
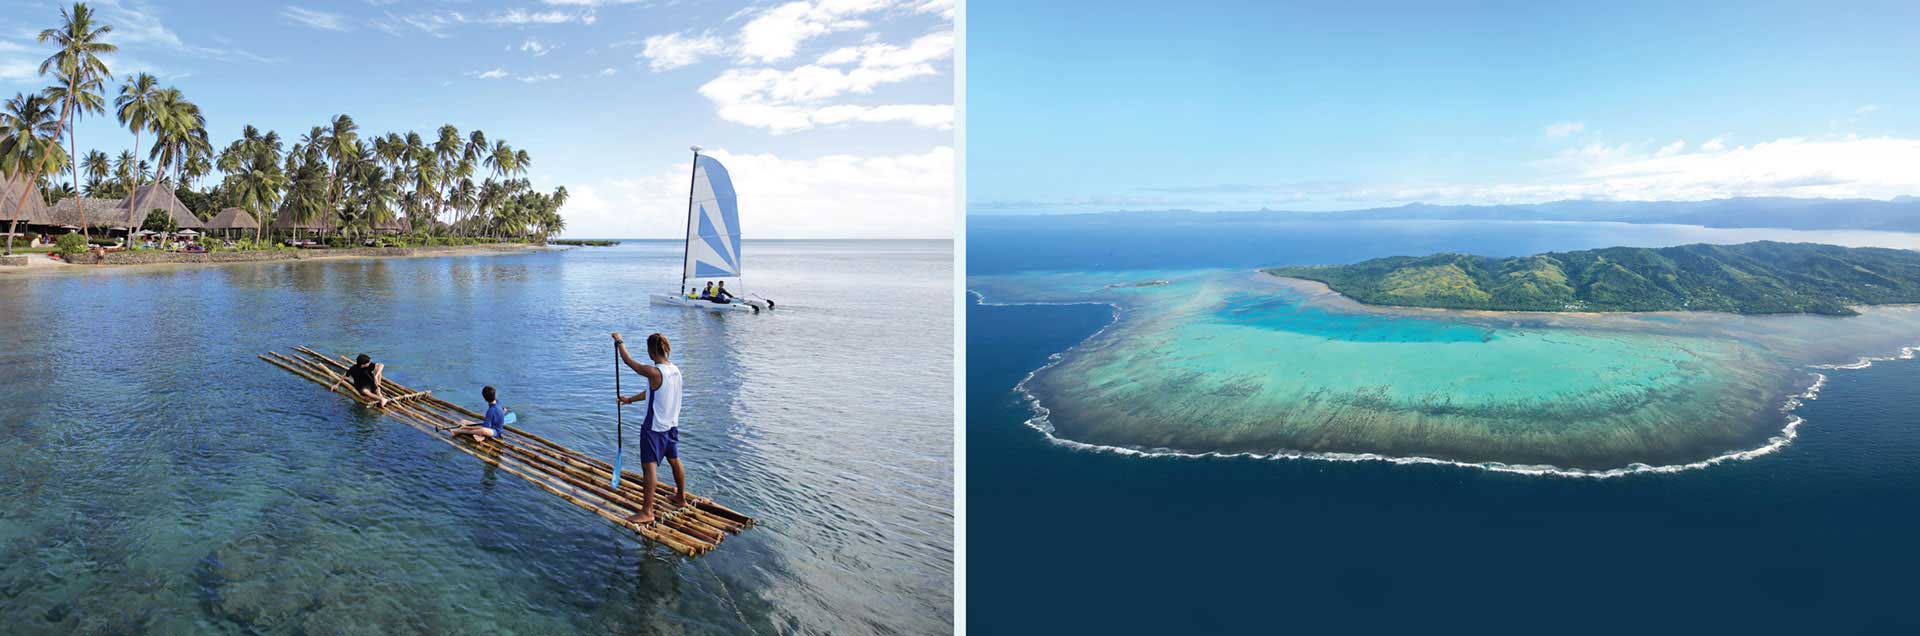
(156, 477)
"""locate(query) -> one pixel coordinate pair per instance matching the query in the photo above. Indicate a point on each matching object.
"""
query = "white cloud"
(1866, 109)
(314, 18)
(835, 196)
(1672, 148)
(536, 47)
(501, 73)
(437, 24)
(522, 16)
(792, 100)
(942, 7)
(1565, 129)
(673, 50)
(19, 70)
(137, 23)
(776, 34)
(609, 72)
(1715, 144)
(1841, 167)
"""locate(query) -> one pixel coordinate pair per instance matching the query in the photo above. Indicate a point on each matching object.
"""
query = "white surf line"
(1039, 422)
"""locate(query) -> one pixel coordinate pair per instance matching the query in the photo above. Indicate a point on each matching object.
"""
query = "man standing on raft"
(660, 436)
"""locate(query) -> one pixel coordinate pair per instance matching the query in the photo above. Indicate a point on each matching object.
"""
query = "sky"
(834, 117)
(1094, 106)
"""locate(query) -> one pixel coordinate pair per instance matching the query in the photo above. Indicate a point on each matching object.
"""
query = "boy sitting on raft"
(365, 376)
(494, 424)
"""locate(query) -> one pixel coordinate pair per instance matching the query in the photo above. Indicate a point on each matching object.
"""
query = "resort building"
(14, 211)
(114, 215)
(231, 221)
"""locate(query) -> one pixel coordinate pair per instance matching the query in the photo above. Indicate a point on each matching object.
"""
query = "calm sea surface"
(1817, 538)
(155, 477)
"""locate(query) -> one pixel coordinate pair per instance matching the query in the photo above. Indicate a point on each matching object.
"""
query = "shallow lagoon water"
(1243, 362)
(1229, 361)
(160, 479)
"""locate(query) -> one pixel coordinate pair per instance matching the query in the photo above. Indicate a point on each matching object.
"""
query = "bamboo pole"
(343, 363)
(686, 530)
(686, 520)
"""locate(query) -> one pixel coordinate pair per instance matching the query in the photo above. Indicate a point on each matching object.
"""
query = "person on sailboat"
(660, 435)
(721, 295)
(706, 293)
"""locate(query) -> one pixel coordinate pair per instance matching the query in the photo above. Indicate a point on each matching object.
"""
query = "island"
(1762, 277)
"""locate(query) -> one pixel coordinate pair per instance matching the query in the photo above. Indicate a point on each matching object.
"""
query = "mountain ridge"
(1763, 277)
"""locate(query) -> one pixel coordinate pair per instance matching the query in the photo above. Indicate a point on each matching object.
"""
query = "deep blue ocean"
(1819, 538)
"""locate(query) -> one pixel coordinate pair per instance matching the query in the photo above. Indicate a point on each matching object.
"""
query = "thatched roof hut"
(399, 224)
(151, 197)
(233, 219)
(33, 210)
(284, 221)
(99, 213)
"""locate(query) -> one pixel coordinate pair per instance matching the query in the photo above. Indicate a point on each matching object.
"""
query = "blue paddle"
(619, 425)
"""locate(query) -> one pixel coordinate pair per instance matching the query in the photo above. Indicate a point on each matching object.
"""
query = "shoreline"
(40, 265)
(1040, 418)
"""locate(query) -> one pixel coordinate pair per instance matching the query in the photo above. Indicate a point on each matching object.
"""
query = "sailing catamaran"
(713, 242)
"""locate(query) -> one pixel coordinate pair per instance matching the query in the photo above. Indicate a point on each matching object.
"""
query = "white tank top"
(664, 404)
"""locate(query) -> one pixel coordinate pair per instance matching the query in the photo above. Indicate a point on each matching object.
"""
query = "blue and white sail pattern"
(713, 223)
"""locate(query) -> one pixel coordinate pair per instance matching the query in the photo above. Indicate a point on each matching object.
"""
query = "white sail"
(713, 225)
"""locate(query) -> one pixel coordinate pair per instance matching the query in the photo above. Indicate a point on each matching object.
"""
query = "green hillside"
(1751, 278)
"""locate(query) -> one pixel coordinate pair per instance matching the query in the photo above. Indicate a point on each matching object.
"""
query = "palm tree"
(307, 184)
(342, 136)
(96, 165)
(29, 146)
(80, 70)
(254, 176)
(136, 108)
(77, 97)
(179, 134)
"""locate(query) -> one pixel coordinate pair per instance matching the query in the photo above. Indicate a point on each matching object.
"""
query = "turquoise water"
(160, 479)
(1226, 361)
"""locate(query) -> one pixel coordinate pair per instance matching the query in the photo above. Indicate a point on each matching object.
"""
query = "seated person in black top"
(365, 376)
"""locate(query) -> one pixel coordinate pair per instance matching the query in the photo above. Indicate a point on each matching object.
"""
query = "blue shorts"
(655, 445)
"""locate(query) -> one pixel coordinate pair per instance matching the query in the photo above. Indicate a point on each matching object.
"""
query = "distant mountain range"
(1901, 214)
(1752, 278)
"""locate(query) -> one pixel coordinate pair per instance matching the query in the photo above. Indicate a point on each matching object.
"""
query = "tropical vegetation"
(1753, 278)
(451, 186)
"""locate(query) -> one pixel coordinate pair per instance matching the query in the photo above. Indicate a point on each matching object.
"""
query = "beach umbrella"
(70, 228)
(187, 233)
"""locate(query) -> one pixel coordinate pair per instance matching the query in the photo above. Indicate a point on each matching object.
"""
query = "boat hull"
(743, 304)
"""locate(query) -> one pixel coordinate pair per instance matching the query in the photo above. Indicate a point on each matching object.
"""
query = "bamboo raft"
(573, 476)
